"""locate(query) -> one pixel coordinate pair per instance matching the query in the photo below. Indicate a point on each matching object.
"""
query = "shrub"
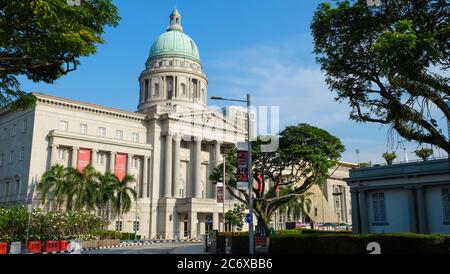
(108, 235)
(126, 236)
(344, 243)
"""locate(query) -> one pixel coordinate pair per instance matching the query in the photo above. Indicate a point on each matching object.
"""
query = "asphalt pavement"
(156, 248)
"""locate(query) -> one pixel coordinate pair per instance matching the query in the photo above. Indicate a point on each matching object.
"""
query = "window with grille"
(446, 204)
(379, 207)
(118, 225)
(136, 225)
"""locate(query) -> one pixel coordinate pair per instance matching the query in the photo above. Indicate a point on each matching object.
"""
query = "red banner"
(84, 159)
(220, 193)
(242, 166)
(120, 169)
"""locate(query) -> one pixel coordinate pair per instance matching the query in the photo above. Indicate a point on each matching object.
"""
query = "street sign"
(208, 220)
(248, 218)
(242, 185)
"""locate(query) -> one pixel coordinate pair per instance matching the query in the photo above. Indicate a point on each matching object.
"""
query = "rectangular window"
(2, 158)
(379, 207)
(446, 204)
(11, 156)
(136, 225)
(118, 225)
(134, 162)
(135, 137)
(63, 125)
(22, 154)
(102, 132)
(13, 131)
(5, 130)
(119, 134)
(100, 158)
(6, 191)
(24, 126)
(61, 154)
(83, 129)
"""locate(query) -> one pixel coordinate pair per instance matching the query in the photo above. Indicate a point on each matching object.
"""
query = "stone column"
(363, 211)
(112, 162)
(176, 166)
(53, 155)
(412, 210)
(193, 224)
(168, 166)
(129, 163)
(216, 220)
(197, 167)
(421, 211)
(145, 177)
(217, 161)
(356, 221)
(94, 157)
(74, 157)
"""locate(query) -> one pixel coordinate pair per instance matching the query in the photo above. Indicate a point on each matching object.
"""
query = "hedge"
(342, 243)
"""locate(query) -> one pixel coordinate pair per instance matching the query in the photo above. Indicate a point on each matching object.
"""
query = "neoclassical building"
(170, 144)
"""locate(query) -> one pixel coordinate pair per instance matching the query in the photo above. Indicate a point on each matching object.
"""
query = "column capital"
(112, 152)
(177, 137)
(54, 146)
(197, 139)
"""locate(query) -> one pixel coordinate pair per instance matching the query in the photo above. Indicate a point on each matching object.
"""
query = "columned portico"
(168, 166)
(197, 167)
(176, 166)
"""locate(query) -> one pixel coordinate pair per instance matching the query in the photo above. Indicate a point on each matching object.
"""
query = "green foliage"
(87, 190)
(108, 235)
(424, 153)
(53, 225)
(389, 63)
(303, 158)
(235, 216)
(345, 243)
(389, 157)
(44, 40)
(126, 236)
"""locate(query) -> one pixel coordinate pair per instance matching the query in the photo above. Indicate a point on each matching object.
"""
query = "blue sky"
(261, 46)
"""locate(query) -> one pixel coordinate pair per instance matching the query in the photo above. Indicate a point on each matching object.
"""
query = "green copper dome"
(174, 43)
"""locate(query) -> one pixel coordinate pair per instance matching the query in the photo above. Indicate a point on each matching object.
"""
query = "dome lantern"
(175, 21)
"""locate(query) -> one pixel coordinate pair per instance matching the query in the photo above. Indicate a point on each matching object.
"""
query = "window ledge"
(380, 224)
(446, 222)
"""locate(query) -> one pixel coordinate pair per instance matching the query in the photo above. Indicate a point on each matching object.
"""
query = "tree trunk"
(263, 228)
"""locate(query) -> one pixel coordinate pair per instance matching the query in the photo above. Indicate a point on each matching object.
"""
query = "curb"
(140, 244)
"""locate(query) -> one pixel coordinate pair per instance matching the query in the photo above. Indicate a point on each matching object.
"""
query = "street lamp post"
(338, 194)
(250, 169)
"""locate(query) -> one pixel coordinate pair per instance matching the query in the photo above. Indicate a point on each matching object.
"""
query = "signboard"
(120, 169)
(84, 159)
(242, 185)
(248, 218)
(220, 193)
(242, 166)
(15, 248)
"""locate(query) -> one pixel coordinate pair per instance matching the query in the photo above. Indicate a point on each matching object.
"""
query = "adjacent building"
(170, 144)
(407, 197)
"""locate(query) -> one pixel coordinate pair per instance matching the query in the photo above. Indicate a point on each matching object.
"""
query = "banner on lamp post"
(220, 193)
(242, 167)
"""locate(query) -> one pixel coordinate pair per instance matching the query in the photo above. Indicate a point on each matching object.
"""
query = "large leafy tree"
(304, 156)
(44, 40)
(390, 63)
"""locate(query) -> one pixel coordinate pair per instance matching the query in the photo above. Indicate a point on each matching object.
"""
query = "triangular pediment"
(211, 119)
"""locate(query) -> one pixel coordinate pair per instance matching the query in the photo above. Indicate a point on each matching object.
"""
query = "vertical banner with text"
(121, 166)
(242, 167)
(220, 193)
(84, 159)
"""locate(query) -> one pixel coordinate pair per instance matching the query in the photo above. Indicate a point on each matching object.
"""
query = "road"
(156, 248)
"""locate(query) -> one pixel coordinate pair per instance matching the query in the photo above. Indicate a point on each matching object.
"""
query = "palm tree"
(53, 181)
(82, 188)
(122, 201)
(106, 187)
